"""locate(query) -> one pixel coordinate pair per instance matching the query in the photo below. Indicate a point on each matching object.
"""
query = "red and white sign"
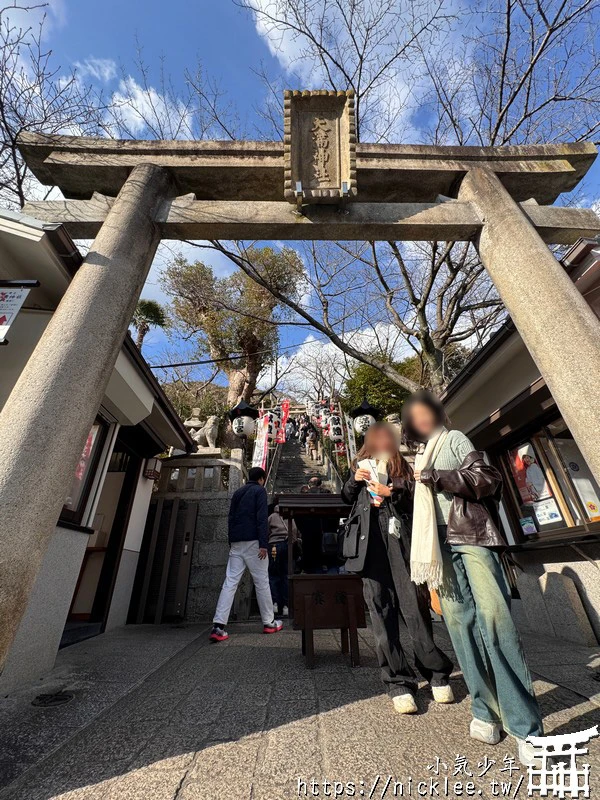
(285, 412)
(11, 300)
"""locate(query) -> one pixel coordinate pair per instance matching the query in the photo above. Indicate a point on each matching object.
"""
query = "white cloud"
(100, 69)
(319, 362)
(53, 13)
(141, 108)
(283, 44)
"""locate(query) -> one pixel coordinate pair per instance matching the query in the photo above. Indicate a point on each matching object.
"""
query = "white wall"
(119, 606)
(504, 375)
(22, 339)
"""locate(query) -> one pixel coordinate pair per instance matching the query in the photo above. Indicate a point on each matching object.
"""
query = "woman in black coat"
(377, 547)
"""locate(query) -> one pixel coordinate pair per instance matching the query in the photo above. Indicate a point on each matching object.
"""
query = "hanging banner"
(11, 300)
(285, 412)
(261, 444)
(349, 426)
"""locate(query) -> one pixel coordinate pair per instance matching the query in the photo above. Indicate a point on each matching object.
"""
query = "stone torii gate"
(318, 184)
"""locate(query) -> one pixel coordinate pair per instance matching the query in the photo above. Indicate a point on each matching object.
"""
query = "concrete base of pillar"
(38, 637)
(537, 615)
(566, 610)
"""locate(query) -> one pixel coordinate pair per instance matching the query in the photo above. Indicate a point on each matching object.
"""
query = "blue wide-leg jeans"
(475, 601)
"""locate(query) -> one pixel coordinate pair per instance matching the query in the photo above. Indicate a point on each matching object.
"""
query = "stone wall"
(210, 548)
(209, 559)
(560, 591)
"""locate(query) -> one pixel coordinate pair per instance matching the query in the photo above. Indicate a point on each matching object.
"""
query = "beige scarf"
(425, 551)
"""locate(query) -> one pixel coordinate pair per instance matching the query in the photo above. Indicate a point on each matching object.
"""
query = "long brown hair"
(398, 467)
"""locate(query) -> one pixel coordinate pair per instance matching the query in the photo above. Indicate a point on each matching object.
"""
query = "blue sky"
(216, 32)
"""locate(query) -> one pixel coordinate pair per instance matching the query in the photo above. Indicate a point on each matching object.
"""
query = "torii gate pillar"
(45, 422)
(559, 328)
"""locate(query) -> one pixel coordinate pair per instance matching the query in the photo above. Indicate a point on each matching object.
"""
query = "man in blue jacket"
(248, 543)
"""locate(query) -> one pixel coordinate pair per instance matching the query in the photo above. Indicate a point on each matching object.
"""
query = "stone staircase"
(295, 469)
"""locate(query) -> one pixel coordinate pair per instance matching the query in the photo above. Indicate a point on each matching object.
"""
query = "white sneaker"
(443, 694)
(405, 704)
(286, 612)
(487, 732)
(529, 755)
(273, 627)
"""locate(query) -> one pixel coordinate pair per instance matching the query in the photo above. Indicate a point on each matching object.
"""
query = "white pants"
(242, 555)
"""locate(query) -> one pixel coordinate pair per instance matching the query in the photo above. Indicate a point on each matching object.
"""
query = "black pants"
(278, 574)
(392, 598)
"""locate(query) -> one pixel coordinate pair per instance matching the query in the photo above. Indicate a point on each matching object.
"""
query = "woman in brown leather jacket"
(474, 594)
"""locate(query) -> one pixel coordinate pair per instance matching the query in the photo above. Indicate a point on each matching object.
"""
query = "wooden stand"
(323, 602)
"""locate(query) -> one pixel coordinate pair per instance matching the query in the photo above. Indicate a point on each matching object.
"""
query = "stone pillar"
(560, 330)
(45, 422)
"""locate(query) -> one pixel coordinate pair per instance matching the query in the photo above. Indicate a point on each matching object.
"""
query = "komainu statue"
(206, 436)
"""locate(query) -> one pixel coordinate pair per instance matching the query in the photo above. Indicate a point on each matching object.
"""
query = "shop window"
(78, 495)
(576, 470)
(539, 509)
(550, 483)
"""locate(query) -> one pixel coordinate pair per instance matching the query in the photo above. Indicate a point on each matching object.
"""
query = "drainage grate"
(52, 700)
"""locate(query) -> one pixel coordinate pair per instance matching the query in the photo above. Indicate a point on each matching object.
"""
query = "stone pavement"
(244, 720)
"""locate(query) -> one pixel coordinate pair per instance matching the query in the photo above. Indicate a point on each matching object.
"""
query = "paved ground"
(246, 721)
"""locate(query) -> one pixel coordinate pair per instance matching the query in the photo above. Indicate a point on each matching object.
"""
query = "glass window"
(173, 480)
(578, 472)
(190, 479)
(539, 508)
(77, 497)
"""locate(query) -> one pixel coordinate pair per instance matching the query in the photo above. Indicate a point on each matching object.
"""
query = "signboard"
(261, 444)
(280, 432)
(546, 512)
(350, 438)
(11, 300)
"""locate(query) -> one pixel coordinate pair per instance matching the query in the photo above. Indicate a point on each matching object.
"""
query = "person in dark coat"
(278, 558)
(376, 545)
(248, 543)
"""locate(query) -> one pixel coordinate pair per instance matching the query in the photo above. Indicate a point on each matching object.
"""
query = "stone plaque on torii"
(319, 147)
(319, 183)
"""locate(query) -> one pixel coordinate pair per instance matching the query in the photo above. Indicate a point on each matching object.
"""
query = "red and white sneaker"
(273, 627)
(218, 634)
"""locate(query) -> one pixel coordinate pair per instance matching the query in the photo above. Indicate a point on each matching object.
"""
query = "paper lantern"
(336, 432)
(363, 423)
(364, 416)
(243, 426)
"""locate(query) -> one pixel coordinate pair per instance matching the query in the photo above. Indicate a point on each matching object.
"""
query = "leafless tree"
(350, 44)
(35, 95)
(317, 370)
(512, 72)
(148, 105)
(524, 72)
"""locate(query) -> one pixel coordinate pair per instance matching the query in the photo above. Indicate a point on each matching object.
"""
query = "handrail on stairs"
(272, 471)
